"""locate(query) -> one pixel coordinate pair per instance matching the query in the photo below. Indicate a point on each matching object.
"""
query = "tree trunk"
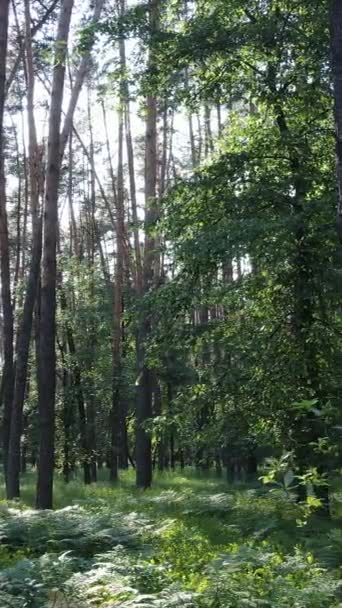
(117, 413)
(79, 80)
(125, 100)
(336, 59)
(34, 30)
(25, 327)
(91, 406)
(23, 347)
(7, 374)
(76, 380)
(18, 236)
(209, 144)
(47, 373)
(74, 240)
(67, 415)
(145, 383)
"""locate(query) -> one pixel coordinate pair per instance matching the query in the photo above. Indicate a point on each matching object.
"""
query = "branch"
(80, 76)
(34, 31)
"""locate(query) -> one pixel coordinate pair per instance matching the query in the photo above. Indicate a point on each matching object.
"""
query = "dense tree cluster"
(170, 253)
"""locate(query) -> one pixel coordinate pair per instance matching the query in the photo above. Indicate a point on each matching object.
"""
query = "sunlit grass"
(190, 533)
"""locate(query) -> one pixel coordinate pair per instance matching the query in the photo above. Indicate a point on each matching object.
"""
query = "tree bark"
(76, 381)
(91, 417)
(130, 158)
(8, 372)
(336, 60)
(25, 327)
(47, 373)
(117, 418)
(18, 236)
(145, 381)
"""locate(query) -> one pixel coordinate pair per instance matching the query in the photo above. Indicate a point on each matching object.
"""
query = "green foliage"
(263, 363)
(192, 541)
(185, 551)
(253, 577)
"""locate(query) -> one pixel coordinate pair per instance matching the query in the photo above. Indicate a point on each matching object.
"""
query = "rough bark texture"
(47, 371)
(24, 331)
(23, 346)
(91, 405)
(118, 422)
(336, 59)
(130, 157)
(145, 383)
(117, 399)
(4, 247)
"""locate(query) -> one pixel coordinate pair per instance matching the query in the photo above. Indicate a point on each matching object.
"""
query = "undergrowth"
(191, 542)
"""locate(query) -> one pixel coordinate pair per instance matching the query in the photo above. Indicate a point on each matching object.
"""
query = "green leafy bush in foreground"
(189, 543)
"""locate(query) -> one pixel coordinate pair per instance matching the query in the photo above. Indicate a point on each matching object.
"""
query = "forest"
(171, 303)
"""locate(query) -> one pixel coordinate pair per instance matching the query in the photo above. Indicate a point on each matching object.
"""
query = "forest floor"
(191, 541)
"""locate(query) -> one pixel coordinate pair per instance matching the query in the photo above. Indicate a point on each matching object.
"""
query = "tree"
(24, 332)
(47, 355)
(144, 393)
(336, 57)
(7, 374)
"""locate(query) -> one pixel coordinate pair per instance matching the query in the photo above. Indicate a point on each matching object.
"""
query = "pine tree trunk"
(8, 372)
(91, 406)
(79, 80)
(209, 144)
(18, 236)
(26, 200)
(145, 382)
(125, 100)
(117, 418)
(47, 364)
(74, 240)
(76, 381)
(67, 414)
(336, 59)
(25, 327)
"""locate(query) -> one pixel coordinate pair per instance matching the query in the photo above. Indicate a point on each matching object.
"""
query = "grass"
(192, 540)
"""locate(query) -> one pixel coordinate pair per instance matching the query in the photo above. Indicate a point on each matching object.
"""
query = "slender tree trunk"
(23, 346)
(336, 59)
(47, 379)
(67, 415)
(24, 332)
(199, 138)
(98, 181)
(144, 388)
(125, 100)
(209, 144)
(26, 200)
(172, 432)
(79, 80)
(164, 151)
(18, 236)
(74, 240)
(76, 380)
(133, 193)
(91, 417)
(44, 19)
(117, 414)
(8, 372)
